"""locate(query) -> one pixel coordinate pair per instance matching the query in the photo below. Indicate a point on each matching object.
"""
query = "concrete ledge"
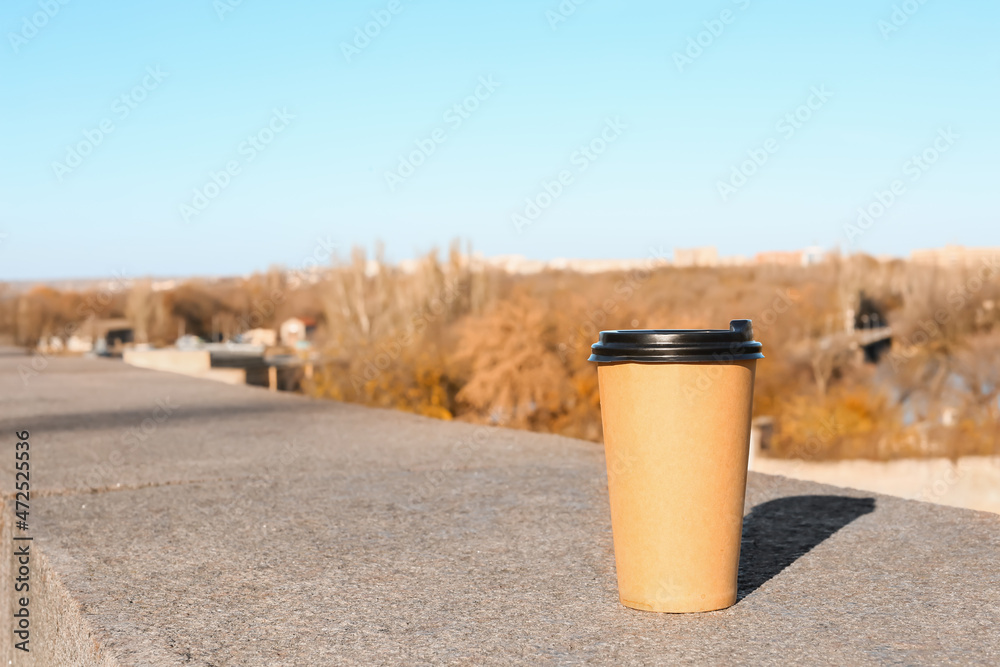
(60, 632)
(191, 523)
(196, 363)
(186, 362)
(972, 482)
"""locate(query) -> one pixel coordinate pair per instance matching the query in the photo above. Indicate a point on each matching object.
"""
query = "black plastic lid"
(678, 345)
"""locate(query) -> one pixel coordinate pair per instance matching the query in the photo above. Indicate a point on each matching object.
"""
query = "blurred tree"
(139, 308)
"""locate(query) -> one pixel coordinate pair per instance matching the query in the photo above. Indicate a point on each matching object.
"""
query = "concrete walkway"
(184, 522)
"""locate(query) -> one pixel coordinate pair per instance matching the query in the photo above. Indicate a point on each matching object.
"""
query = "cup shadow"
(779, 532)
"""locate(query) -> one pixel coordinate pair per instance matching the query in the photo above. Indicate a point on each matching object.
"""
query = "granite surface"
(178, 521)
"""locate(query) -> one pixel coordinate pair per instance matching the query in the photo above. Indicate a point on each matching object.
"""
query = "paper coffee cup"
(676, 409)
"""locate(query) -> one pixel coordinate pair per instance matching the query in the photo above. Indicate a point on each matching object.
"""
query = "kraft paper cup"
(676, 408)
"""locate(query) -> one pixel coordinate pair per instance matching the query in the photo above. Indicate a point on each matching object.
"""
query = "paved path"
(185, 522)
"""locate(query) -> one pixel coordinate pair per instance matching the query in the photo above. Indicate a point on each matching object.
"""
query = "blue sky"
(329, 126)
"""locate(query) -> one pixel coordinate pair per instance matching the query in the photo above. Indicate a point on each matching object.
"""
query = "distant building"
(516, 264)
(955, 256)
(109, 334)
(813, 255)
(734, 260)
(75, 344)
(780, 257)
(297, 330)
(600, 265)
(704, 256)
(95, 334)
